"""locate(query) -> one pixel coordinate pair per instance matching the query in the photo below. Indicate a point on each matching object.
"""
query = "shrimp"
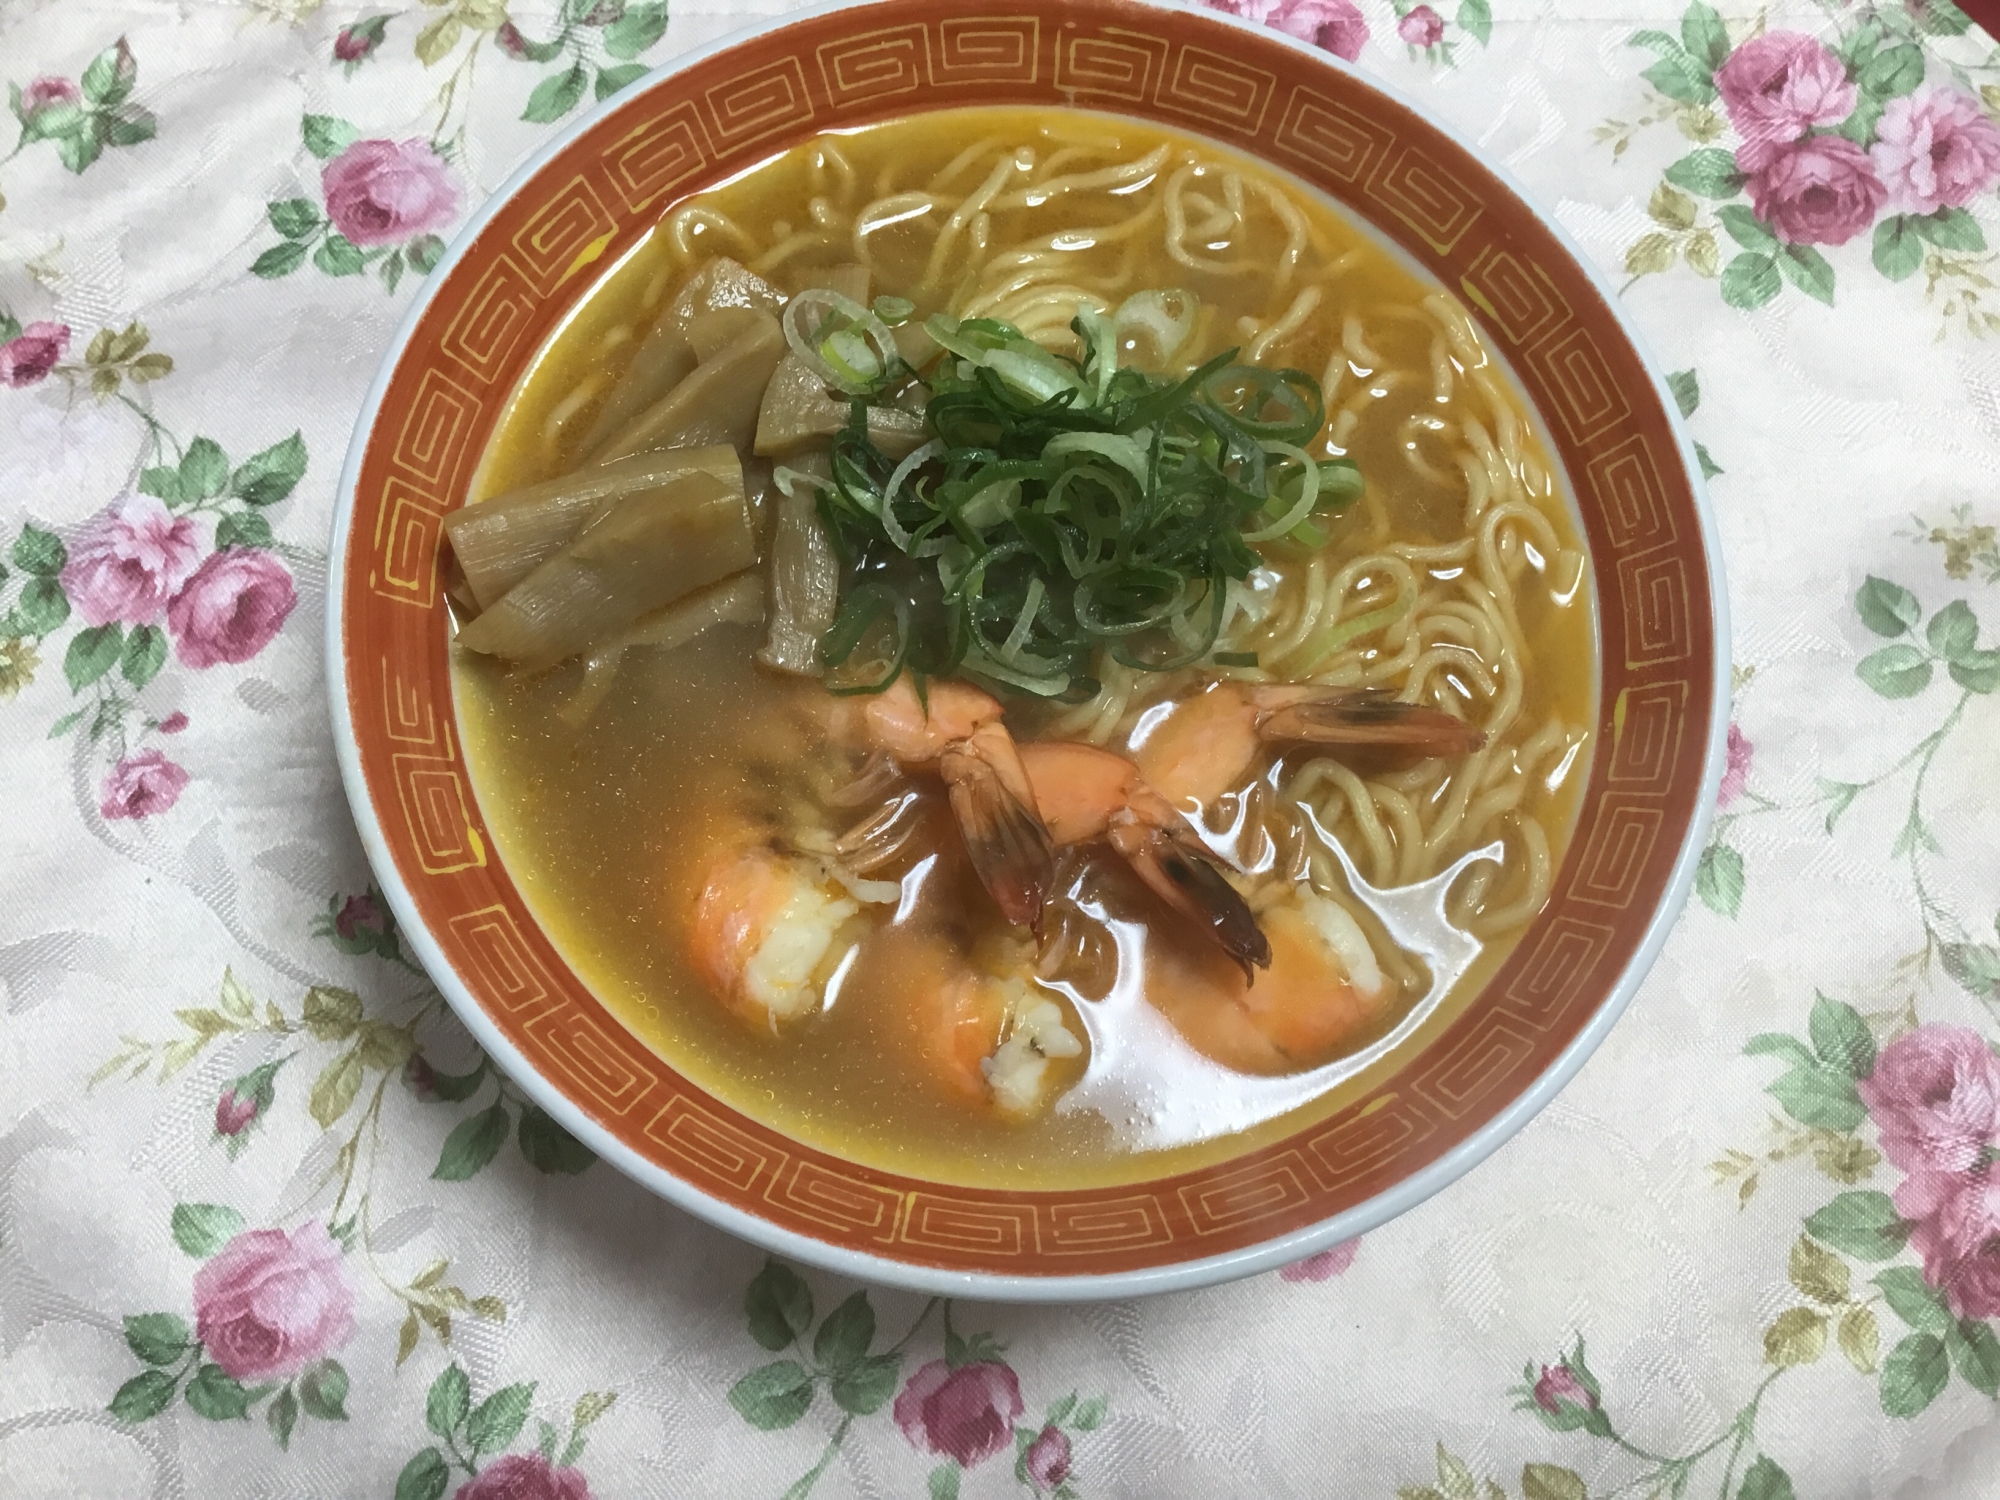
(1201, 746)
(991, 1039)
(956, 729)
(1322, 990)
(766, 933)
(1084, 793)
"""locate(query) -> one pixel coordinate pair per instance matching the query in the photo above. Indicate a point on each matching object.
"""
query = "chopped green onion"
(843, 343)
(1166, 317)
(1061, 507)
(1300, 508)
(1234, 658)
(1018, 636)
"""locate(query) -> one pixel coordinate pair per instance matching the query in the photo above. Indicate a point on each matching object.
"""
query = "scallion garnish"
(1062, 506)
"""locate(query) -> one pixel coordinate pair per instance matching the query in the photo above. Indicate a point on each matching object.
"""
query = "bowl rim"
(1369, 1214)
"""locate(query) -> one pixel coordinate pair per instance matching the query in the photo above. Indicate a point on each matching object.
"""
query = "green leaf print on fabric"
(1862, 1224)
(1475, 19)
(1686, 388)
(1920, 655)
(473, 1439)
(964, 1407)
(1751, 280)
(778, 1306)
(382, 201)
(1840, 1038)
(1887, 608)
(638, 30)
(1764, 1480)
(1455, 1481)
(1552, 1482)
(547, 1147)
(201, 1229)
(1914, 1300)
(1819, 1273)
(593, 50)
(1909, 1077)
(144, 1396)
(773, 1396)
(556, 95)
(157, 1338)
(1914, 1374)
(1708, 172)
(357, 1054)
(82, 122)
(1975, 1354)
(1678, 74)
(472, 1144)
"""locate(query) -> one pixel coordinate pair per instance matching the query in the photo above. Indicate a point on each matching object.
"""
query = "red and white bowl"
(1428, 1112)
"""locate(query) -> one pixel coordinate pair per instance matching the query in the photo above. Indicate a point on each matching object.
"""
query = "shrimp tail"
(1370, 720)
(1004, 837)
(1181, 873)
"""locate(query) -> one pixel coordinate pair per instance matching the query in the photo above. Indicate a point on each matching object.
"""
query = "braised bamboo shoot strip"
(713, 332)
(734, 601)
(665, 357)
(804, 574)
(797, 410)
(499, 542)
(644, 551)
(717, 403)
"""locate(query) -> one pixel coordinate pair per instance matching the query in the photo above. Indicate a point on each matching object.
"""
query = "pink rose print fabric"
(31, 354)
(1818, 191)
(271, 1303)
(231, 607)
(1935, 149)
(1421, 27)
(525, 1476)
(1935, 1098)
(966, 1414)
(142, 785)
(1047, 1459)
(385, 192)
(43, 92)
(1778, 86)
(1337, 26)
(1736, 770)
(1323, 1266)
(130, 562)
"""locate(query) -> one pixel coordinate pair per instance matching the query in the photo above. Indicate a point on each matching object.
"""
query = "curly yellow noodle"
(685, 223)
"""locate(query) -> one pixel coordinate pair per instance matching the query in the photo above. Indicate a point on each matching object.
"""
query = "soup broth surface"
(1458, 576)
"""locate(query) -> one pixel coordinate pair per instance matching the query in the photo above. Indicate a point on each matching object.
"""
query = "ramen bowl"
(1424, 1112)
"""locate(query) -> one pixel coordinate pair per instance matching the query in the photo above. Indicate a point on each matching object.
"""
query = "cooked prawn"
(1323, 989)
(1084, 793)
(988, 1038)
(766, 932)
(1202, 745)
(956, 729)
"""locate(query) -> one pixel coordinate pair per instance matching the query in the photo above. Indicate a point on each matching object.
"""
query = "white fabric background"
(1833, 425)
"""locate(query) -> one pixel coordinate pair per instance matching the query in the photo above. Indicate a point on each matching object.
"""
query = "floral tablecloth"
(270, 1226)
